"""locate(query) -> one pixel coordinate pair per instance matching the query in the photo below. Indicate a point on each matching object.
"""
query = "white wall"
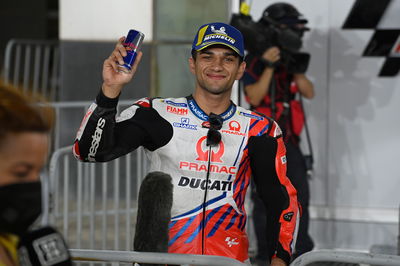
(104, 20)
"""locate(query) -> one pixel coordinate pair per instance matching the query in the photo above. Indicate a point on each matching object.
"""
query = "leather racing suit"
(173, 132)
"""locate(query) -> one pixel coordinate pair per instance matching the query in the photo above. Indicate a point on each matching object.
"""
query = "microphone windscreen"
(154, 213)
(45, 247)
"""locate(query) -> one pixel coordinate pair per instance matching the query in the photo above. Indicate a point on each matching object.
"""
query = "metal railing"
(93, 205)
(33, 65)
(151, 257)
(346, 257)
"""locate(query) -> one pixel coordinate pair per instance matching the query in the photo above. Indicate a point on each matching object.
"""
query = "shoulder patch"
(144, 102)
(175, 103)
(253, 116)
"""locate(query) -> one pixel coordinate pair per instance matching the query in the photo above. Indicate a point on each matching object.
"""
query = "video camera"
(268, 32)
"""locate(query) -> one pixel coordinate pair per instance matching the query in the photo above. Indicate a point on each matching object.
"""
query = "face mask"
(20, 206)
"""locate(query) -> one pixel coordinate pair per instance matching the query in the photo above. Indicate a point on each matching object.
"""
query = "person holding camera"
(273, 79)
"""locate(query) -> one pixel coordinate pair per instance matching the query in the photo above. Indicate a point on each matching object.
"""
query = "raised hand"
(113, 80)
(272, 54)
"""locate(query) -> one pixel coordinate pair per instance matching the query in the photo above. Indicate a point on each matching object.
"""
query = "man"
(208, 145)
(271, 84)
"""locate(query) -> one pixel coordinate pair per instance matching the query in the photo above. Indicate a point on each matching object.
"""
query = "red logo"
(234, 125)
(176, 110)
(203, 154)
(205, 124)
(397, 49)
(143, 103)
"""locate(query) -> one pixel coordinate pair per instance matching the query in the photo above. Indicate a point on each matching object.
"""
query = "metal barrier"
(347, 257)
(33, 65)
(152, 257)
(94, 205)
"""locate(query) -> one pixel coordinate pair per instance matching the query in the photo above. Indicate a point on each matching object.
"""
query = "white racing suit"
(209, 183)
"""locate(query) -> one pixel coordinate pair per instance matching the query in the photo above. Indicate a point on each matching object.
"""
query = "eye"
(21, 174)
(230, 59)
(205, 56)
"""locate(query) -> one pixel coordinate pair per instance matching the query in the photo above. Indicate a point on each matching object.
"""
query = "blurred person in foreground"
(24, 143)
(273, 81)
(208, 145)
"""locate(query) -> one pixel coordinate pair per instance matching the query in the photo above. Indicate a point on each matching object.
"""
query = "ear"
(192, 66)
(242, 68)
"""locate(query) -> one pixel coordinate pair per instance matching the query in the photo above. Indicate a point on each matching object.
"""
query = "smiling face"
(216, 68)
(22, 157)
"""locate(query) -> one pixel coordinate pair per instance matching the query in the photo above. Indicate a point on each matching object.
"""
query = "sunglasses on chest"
(213, 135)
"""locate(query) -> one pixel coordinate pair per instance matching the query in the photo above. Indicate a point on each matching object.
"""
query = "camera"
(277, 27)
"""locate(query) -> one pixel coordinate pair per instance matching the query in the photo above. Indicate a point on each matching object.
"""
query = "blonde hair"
(23, 112)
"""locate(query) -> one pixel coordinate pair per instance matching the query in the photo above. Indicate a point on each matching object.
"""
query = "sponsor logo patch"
(175, 104)
(203, 156)
(202, 151)
(251, 116)
(177, 110)
(185, 124)
(231, 241)
(200, 183)
(234, 129)
(199, 113)
(96, 137)
(288, 216)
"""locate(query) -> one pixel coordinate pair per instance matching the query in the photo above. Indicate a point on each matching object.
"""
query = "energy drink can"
(132, 44)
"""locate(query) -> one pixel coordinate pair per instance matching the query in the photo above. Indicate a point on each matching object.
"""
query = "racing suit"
(210, 183)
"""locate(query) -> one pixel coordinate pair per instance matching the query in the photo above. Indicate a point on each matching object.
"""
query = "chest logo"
(203, 151)
(234, 125)
(177, 110)
(185, 124)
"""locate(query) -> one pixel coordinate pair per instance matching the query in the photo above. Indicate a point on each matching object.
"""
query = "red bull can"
(132, 44)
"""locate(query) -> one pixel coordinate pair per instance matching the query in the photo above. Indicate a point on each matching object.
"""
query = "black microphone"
(154, 213)
(44, 246)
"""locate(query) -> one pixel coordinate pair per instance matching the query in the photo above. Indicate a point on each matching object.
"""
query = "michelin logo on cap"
(219, 33)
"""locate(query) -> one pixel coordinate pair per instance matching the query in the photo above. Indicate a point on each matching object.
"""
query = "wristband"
(267, 63)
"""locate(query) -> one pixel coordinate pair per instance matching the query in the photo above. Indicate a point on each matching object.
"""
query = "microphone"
(44, 246)
(154, 213)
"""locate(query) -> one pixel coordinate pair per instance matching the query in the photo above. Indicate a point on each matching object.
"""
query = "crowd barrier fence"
(346, 257)
(118, 257)
(33, 65)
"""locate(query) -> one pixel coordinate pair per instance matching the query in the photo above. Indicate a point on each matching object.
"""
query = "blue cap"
(219, 33)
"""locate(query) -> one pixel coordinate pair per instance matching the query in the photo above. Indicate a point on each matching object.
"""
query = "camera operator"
(273, 78)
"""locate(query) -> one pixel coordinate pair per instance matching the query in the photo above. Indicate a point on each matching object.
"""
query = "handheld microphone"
(45, 247)
(154, 213)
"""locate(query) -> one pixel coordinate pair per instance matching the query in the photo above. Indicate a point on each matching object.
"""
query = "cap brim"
(213, 43)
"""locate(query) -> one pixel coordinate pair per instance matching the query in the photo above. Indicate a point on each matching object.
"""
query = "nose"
(217, 64)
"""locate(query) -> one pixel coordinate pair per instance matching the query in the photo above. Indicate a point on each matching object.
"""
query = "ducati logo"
(202, 151)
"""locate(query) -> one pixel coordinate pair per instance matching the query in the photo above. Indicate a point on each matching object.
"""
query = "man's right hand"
(272, 54)
(113, 81)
